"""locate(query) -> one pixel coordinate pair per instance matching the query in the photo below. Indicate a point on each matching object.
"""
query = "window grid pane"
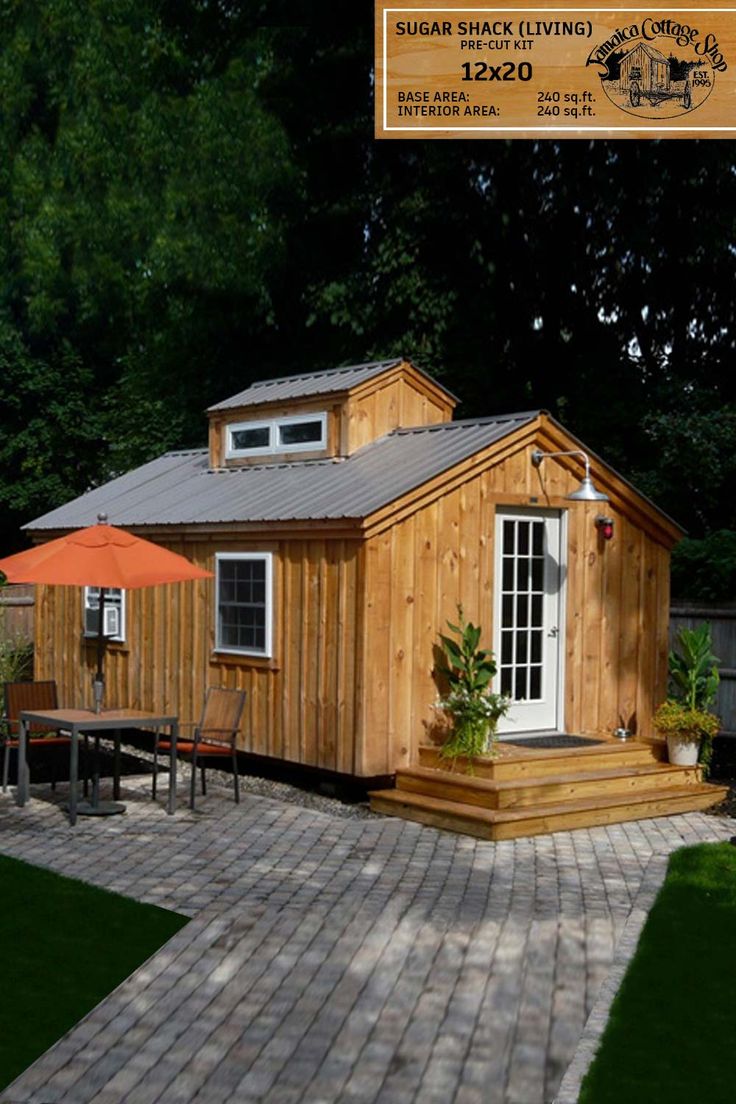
(242, 605)
(522, 608)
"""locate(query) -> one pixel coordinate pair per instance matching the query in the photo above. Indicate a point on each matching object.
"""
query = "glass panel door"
(528, 617)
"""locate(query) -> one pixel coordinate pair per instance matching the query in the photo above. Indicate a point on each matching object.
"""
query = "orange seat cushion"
(186, 747)
(41, 740)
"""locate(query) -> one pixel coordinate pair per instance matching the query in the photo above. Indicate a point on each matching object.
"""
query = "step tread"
(502, 816)
(602, 746)
(474, 782)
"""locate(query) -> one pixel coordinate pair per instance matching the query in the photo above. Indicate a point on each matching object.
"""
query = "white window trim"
(119, 637)
(267, 558)
(303, 446)
(259, 450)
(274, 426)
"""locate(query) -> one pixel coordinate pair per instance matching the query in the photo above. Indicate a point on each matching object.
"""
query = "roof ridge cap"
(324, 372)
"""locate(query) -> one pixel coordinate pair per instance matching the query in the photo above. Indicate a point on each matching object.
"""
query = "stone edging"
(651, 883)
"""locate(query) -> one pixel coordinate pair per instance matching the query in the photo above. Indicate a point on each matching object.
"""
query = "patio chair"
(214, 737)
(18, 697)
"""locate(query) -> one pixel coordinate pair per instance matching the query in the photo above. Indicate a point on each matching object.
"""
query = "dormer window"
(298, 433)
(246, 438)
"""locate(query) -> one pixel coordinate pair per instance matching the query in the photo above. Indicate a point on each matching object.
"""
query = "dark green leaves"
(141, 192)
(469, 667)
(694, 668)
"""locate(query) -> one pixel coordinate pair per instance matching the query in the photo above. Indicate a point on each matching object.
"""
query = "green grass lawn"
(672, 1028)
(65, 946)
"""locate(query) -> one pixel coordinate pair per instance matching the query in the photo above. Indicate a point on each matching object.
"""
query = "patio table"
(76, 721)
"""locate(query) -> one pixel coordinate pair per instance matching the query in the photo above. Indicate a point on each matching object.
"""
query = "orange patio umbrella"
(105, 557)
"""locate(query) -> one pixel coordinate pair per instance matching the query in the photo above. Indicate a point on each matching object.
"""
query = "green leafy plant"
(694, 683)
(675, 719)
(694, 669)
(16, 653)
(471, 706)
(16, 662)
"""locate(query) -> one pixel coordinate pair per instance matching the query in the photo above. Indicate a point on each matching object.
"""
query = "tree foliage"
(140, 184)
(587, 278)
(192, 198)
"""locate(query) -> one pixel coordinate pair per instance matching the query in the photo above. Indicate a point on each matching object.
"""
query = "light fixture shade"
(586, 492)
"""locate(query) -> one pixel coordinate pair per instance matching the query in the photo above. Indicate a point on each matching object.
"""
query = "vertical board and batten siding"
(419, 569)
(722, 620)
(301, 704)
(385, 405)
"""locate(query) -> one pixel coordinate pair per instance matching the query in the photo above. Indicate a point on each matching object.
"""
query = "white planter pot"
(683, 753)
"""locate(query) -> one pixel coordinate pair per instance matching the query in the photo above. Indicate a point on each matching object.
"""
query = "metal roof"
(180, 488)
(651, 50)
(312, 384)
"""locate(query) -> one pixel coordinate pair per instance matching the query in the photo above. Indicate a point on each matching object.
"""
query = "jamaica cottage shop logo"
(658, 68)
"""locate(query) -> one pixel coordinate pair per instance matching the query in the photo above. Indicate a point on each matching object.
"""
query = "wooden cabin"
(345, 515)
(646, 66)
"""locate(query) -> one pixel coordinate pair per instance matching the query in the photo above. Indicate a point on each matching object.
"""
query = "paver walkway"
(339, 961)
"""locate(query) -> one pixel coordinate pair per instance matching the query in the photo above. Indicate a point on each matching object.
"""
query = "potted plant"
(685, 718)
(470, 705)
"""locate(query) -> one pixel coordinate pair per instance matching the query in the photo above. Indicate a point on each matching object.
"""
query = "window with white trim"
(113, 614)
(297, 433)
(244, 607)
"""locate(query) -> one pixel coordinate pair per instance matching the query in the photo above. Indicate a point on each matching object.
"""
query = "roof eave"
(668, 524)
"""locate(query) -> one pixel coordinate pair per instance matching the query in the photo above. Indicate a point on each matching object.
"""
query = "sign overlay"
(448, 71)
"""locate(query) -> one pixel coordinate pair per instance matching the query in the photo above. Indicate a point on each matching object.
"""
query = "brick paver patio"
(339, 961)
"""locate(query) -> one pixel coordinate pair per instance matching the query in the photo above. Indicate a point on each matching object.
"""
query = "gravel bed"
(282, 791)
(267, 787)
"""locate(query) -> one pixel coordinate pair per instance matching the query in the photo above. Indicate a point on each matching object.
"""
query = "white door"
(528, 618)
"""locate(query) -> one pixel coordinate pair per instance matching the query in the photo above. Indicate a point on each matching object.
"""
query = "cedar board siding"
(350, 685)
(419, 569)
(301, 705)
(385, 405)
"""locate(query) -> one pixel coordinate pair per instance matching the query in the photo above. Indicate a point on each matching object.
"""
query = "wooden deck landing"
(530, 791)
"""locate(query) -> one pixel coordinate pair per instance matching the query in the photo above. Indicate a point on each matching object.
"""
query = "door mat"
(555, 741)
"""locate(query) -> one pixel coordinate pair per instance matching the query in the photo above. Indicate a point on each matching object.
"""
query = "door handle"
(553, 631)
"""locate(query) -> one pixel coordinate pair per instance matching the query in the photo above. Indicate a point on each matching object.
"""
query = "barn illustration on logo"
(658, 70)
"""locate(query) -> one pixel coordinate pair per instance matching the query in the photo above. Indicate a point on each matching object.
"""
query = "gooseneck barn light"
(586, 492)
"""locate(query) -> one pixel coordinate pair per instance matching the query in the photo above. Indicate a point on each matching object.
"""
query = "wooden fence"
(723, 624)
(16, 612)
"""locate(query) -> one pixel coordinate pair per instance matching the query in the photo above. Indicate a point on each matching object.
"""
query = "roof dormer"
(324, 414)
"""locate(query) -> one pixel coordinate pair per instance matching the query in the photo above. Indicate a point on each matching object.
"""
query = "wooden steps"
(514, 761)
(546, 790)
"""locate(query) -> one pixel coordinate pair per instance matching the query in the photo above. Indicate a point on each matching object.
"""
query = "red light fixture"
(604, 526)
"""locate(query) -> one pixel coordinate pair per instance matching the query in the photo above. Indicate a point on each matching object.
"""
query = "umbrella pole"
(99, 681)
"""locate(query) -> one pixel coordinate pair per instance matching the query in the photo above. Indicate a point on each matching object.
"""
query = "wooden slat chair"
(27, 695)
(214, 736)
